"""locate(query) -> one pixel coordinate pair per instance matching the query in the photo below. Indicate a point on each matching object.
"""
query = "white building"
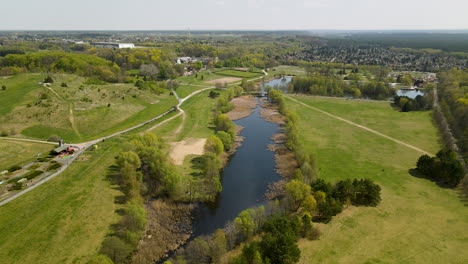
(113, 45)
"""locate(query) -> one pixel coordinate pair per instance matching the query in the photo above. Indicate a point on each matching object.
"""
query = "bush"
(116, 249)
(64, 84)
(32, 174)
(54, 166)
(48, 79)
(4, 87)
(54, 138)
(14, 168)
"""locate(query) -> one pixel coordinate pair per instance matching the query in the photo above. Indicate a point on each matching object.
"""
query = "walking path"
(85, 145)
(360, 126)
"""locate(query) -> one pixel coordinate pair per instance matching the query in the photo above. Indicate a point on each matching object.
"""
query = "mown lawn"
(288, 70)
(416, 222)
(19, 152)
(66, 219)
(240, 74)
(185, 90)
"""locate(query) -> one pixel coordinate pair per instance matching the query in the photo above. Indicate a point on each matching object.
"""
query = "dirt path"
(83, 146)
(72, 121)
(362, 127)
(29, 140)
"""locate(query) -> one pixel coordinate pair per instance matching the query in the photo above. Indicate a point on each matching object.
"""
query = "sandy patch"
(243, 107)
(186, 147)
(224, 80)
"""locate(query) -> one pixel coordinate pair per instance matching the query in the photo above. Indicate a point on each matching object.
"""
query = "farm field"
(65, 220)
(415, 214)
(19, 152)
(80, 111)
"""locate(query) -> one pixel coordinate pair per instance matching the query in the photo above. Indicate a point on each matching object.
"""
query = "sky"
(233, 14)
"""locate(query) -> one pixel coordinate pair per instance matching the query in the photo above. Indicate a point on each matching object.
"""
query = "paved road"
(360, 126)
(85, 145)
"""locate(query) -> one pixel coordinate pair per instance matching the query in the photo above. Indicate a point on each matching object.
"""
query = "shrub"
(64, 84)
(14, 168)
(116, 249)
(3, 87)
(54, 166)
(32, 174)
(48, 79)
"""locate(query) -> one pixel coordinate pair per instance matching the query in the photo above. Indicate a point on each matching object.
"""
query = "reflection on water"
(410, 93)
(245, 179)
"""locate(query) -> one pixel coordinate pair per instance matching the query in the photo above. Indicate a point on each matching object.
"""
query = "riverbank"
(285, 159)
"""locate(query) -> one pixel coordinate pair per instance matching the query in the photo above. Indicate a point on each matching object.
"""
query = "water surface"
(245, 179)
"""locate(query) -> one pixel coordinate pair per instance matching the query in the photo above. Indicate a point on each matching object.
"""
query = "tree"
(245, 222)
(279, 243)
(223, 123)
(425, 165)
(214, 145)
(116, 249)
(218, 245)
(296, 193)
(48, 79)
(198, 251)
(226, 139)
(150, 70)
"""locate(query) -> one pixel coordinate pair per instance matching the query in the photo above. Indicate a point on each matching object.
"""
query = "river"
(246, 177)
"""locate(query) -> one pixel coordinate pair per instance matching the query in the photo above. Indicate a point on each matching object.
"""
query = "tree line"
(142, 170)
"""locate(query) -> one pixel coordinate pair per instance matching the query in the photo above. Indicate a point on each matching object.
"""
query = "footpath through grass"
(74, 109)
(66, 219)
(417, 221)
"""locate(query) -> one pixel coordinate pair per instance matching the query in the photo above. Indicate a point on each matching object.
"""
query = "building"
(113, 45)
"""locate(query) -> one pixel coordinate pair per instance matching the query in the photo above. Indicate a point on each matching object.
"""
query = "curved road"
(83, 146)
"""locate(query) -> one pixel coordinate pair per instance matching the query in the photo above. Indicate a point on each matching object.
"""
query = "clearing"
(224, 80)
(416, 222)
(186, 147)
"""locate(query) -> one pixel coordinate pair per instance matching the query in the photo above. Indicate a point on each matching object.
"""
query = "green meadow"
(416, 222)
(78, 112)
(66, 219)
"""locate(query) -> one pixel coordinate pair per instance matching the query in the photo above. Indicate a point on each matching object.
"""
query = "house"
(181, 60)
(113, 45)
(62, 149)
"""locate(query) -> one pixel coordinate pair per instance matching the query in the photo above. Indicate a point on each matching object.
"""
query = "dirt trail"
(361, 126)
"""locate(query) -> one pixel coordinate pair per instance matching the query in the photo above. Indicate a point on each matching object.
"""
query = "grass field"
(416, 222)
(78, 112)
(19, 88)
(288, 70)
(184, 90)
(19, 152)
(64, 220)
(240, 74)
